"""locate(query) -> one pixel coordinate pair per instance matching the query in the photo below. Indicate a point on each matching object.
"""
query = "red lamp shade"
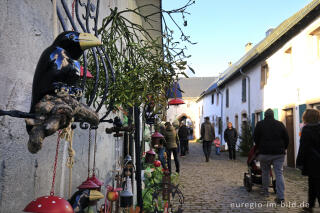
(157, 135)
(151, 152)
(49, 204)
(95, 180)
(89, 75)
(176, 101)
(88, 184)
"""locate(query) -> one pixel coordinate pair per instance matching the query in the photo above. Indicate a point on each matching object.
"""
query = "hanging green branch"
(145, 66)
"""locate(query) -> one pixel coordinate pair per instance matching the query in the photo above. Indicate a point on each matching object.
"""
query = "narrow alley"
(217, 186)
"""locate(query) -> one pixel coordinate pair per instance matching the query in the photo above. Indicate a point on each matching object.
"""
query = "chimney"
(229, 63)
(269, 31)
(248, 46)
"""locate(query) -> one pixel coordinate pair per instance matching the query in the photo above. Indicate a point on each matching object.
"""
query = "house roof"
(194, 86)
(267, 43)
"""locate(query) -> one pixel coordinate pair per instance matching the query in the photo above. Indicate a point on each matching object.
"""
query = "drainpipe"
(245, 75)
(219, 92)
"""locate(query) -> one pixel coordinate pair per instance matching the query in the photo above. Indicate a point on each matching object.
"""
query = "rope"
(55, 164)
(67, 134)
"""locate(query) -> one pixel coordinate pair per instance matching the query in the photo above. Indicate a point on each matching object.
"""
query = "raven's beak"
(95, 195)
(88, 40)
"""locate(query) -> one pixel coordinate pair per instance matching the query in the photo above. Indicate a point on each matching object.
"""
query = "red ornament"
(89, 75)
(157, 163)
(96, 180)
(88, 184)
(113, 193)
(176, 101)
(49, 204)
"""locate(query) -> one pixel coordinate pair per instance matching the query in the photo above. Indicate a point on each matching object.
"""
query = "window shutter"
(302, 108)
(275, 112)
(244, 90)
(252, 121)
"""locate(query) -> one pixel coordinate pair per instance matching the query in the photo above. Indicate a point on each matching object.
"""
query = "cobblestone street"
(217, 186)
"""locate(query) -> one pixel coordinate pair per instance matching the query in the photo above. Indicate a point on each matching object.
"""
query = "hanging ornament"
(50, 204)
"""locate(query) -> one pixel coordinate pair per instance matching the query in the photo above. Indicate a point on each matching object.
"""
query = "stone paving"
(217, 186)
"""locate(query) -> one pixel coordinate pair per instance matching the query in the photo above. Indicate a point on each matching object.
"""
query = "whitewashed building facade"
(281, 72)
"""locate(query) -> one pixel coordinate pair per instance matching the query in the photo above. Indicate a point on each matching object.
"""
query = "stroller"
(253, 176)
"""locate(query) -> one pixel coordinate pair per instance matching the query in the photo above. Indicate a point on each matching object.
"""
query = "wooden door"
(290, 150)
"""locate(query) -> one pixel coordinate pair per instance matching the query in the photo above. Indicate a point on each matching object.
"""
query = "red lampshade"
(89, 75)
(49, 204)
(88, 184)
(176, 101)
(157, 135)
(96, 180)
(151, 152)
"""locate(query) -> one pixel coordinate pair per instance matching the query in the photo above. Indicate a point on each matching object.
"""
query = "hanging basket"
(49, 204)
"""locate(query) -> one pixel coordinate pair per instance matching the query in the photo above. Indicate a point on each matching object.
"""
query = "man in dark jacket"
(207, 137)
(231, 136)
(183, 137)
(272, 140)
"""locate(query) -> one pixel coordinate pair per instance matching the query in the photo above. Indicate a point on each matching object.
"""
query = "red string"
(73, 3)
(55, 164)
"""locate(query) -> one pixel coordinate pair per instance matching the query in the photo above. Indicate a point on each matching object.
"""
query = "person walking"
(231, 136)
(183, 137)
(309, 155)
(217, 144)
(272, 140)
(207, 136)
(171, 146)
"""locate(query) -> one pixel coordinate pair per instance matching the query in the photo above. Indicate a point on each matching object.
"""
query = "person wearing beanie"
(272, 140)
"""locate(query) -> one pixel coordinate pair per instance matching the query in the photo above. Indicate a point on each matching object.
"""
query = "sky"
(222, 28)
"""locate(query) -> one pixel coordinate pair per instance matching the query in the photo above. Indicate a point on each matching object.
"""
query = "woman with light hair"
(308, 159)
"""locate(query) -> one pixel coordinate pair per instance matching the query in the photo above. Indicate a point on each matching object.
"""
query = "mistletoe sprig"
(145, 66)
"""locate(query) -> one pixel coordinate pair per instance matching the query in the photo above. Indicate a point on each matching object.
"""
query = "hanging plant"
(144, 66)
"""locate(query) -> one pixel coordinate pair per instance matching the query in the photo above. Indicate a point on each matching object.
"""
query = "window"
(212, 98)
(316, 41)
(227, 97)
(244, 90)
(217, 99)
(264, 74)
(227, 120)
(236, 120)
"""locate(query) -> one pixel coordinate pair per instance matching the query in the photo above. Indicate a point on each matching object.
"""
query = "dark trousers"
(232, 151)
(187, 146)
(207, 149)
(175, 156)
(313, 191)
(183, 146)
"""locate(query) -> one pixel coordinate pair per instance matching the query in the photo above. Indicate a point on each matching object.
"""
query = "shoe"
(278, 200)
(307, 209)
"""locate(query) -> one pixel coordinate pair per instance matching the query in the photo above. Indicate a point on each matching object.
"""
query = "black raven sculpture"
(56, 87)
(58, 64)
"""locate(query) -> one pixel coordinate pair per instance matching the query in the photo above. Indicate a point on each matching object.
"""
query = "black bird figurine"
(58, 64)
(56, 86)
